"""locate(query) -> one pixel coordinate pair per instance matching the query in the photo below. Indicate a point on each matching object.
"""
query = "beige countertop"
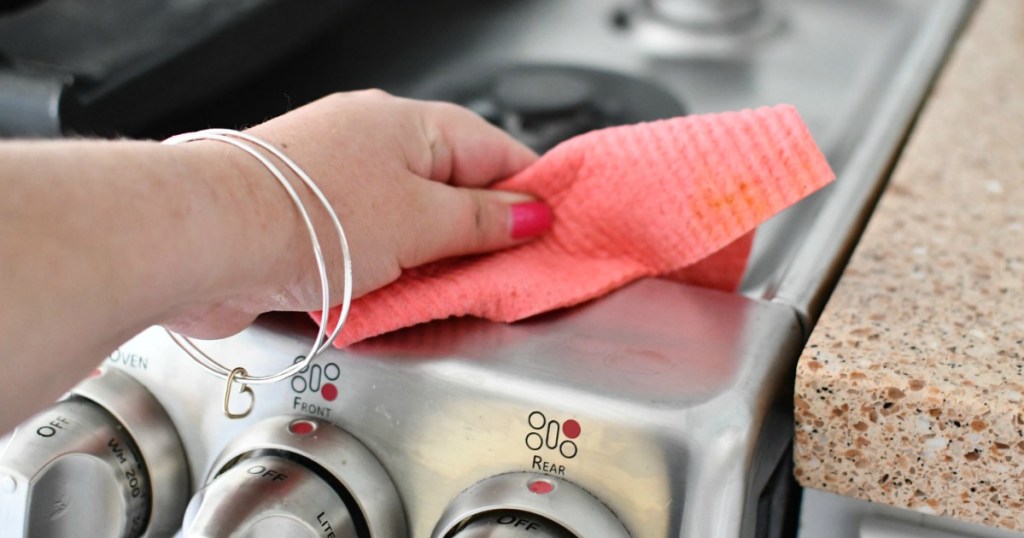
(911, 389)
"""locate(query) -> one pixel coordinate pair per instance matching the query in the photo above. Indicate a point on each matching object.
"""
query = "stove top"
(660, 411)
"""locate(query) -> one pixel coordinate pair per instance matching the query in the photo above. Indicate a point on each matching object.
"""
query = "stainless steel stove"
(661, 410)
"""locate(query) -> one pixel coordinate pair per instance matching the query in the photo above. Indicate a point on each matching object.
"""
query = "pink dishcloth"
(629, 202)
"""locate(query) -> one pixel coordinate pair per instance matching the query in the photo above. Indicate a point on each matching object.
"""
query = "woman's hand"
(101, 239)
(407, 180)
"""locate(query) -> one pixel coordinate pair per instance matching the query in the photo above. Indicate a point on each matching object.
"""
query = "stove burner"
(542, 105)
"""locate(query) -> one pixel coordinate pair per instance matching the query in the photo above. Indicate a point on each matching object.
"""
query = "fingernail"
(530, 219)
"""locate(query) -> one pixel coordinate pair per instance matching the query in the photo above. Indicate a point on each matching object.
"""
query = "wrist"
(250, 227)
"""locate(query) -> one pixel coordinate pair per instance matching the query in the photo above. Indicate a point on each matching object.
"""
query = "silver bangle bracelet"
(252, 145)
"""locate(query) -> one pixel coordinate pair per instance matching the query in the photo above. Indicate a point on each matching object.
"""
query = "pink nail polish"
(530, 219)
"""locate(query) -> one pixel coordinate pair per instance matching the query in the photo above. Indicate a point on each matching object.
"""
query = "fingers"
(460, 221)
(406, 178)
(467, 151)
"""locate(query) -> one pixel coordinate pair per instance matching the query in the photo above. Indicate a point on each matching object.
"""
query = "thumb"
(461, 221)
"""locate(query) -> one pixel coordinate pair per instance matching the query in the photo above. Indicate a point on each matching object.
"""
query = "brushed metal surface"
(672, 389)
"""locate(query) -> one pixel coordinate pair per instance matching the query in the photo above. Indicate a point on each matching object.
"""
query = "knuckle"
(438, 110)
(476, 222)
(445, 107)
(376, 94)
(372, 94)
(480, 227)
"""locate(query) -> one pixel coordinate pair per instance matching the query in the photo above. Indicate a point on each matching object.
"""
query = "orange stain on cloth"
(676, 198)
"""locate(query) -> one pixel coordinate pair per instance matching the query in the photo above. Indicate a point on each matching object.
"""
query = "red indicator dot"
(541, 487)
(571, 429)
(96, 373)
(329, 392)
(302, 427)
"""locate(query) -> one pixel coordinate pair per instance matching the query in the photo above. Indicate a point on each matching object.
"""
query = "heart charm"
(245, 389)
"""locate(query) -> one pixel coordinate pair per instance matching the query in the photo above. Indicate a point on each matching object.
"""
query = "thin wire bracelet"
(346, 302)
(244, 142)
(209, 363)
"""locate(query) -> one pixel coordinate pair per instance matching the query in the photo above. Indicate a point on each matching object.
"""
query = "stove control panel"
(591, 424)
(105, 461)
(528, 505)
(298, 477)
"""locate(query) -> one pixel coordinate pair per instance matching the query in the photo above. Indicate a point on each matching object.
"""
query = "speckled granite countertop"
(911, 389)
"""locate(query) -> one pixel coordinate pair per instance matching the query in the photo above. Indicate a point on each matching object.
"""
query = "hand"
(407, 180)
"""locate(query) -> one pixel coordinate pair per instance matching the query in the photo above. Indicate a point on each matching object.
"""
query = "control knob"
(517, 505)
(103, 462)
(289, 476)
(268, 496)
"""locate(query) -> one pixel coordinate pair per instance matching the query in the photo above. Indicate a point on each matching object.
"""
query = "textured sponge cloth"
(628, 202)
